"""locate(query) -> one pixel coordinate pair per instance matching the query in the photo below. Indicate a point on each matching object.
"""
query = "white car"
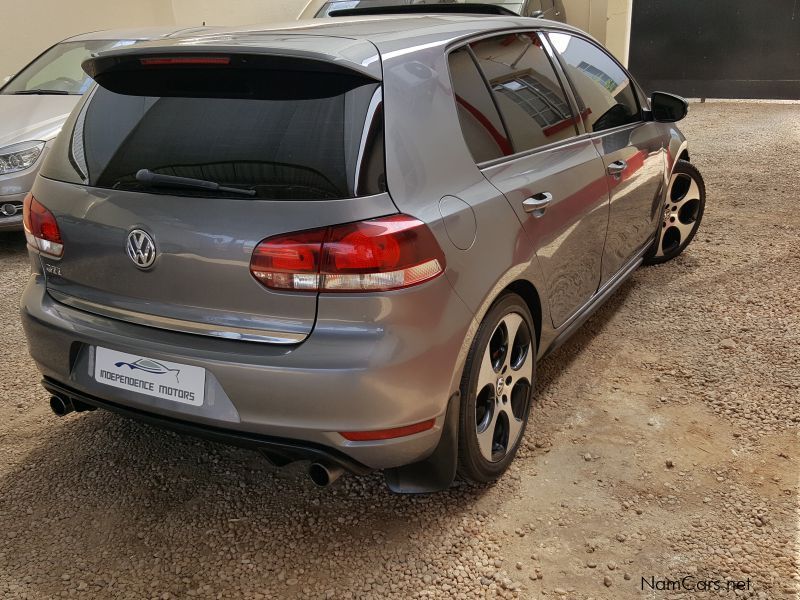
(35, 102)
(547, 9)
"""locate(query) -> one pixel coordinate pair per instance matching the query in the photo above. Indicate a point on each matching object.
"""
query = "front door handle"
(617, 167)
(537, 203)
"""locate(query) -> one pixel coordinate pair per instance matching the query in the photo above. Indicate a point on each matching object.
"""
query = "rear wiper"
(41, 92)
(149, 178)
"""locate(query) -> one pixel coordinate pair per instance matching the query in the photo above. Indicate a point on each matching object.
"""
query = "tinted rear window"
(483, 130)
(528, 92)
(307, 148)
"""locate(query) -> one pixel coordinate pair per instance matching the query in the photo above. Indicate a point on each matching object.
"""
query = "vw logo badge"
(141, 249)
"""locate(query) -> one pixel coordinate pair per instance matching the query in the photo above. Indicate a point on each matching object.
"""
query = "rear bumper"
(277, 450)
(391, 361)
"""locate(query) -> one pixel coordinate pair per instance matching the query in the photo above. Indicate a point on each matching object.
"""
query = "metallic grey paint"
(366, 361)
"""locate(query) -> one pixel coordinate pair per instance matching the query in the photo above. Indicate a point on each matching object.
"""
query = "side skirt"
(597, 300)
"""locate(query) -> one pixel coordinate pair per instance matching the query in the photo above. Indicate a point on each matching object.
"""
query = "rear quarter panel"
(427, 160)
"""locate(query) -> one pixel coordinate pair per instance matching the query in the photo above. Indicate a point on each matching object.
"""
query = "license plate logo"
(157, 378)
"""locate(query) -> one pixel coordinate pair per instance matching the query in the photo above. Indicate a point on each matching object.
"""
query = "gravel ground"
(664, 443)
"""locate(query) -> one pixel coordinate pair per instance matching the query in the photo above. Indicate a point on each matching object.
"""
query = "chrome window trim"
(374, 103)
(555, 145)
(263, 336)
(76, 141)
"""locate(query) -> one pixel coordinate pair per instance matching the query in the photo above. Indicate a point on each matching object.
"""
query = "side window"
(606, 95)
(528, 93)
(481, 125)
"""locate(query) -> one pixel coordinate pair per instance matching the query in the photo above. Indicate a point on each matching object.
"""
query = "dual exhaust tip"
(320, 473)
(62, 405)
(323, 474)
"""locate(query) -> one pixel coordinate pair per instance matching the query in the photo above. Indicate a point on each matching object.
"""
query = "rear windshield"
(308, 148)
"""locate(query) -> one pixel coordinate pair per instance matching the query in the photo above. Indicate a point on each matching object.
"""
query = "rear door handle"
(617, 167)
(537, 203)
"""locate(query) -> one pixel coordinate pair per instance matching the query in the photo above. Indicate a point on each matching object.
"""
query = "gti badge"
(141, 248)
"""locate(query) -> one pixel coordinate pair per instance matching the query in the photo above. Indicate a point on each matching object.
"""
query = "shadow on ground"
(191, 515)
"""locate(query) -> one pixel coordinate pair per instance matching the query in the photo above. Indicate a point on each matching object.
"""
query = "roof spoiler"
(405, 9)
(221, 72)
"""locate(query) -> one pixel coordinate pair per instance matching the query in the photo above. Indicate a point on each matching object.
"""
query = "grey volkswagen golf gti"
(350, 240)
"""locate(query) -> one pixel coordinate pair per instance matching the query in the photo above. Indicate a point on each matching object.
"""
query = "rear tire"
(496, 390)
(683, 211)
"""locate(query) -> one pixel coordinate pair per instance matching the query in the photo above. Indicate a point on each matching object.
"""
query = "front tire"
(496, 390)
(683, 211)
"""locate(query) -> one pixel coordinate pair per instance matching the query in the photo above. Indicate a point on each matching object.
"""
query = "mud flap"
(437, 472)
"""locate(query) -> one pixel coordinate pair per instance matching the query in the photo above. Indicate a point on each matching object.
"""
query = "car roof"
(411, 28)
(137, 33)
(382, 28)
(351, 42)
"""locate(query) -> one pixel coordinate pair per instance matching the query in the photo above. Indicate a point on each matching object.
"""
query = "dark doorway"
(717, 48)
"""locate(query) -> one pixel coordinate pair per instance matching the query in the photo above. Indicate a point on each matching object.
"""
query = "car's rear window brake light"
(185, 60)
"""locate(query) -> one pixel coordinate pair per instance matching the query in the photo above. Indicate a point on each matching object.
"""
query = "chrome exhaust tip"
(324, 475)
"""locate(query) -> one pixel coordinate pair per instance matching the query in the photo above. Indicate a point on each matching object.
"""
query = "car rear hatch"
(293, 134)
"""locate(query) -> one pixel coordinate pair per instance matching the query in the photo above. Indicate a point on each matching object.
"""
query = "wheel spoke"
(678, 184)
(514, 424)
(525, 370)
(487, 375)
(513, 322)
(684, 228)
(485, 437)
(692, 194)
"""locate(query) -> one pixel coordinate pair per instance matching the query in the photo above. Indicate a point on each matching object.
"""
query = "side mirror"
(668, 108)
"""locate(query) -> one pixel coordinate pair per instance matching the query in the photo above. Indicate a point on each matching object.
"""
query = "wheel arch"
(528, 292)
(436, 472)
(677, 149)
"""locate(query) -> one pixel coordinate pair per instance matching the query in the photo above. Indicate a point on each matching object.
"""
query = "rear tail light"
(41, 227)
(389, 253)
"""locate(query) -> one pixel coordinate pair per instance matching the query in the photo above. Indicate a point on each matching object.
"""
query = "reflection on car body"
(422, 223)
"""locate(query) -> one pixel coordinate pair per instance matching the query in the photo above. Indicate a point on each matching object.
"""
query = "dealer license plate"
(157, 378)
